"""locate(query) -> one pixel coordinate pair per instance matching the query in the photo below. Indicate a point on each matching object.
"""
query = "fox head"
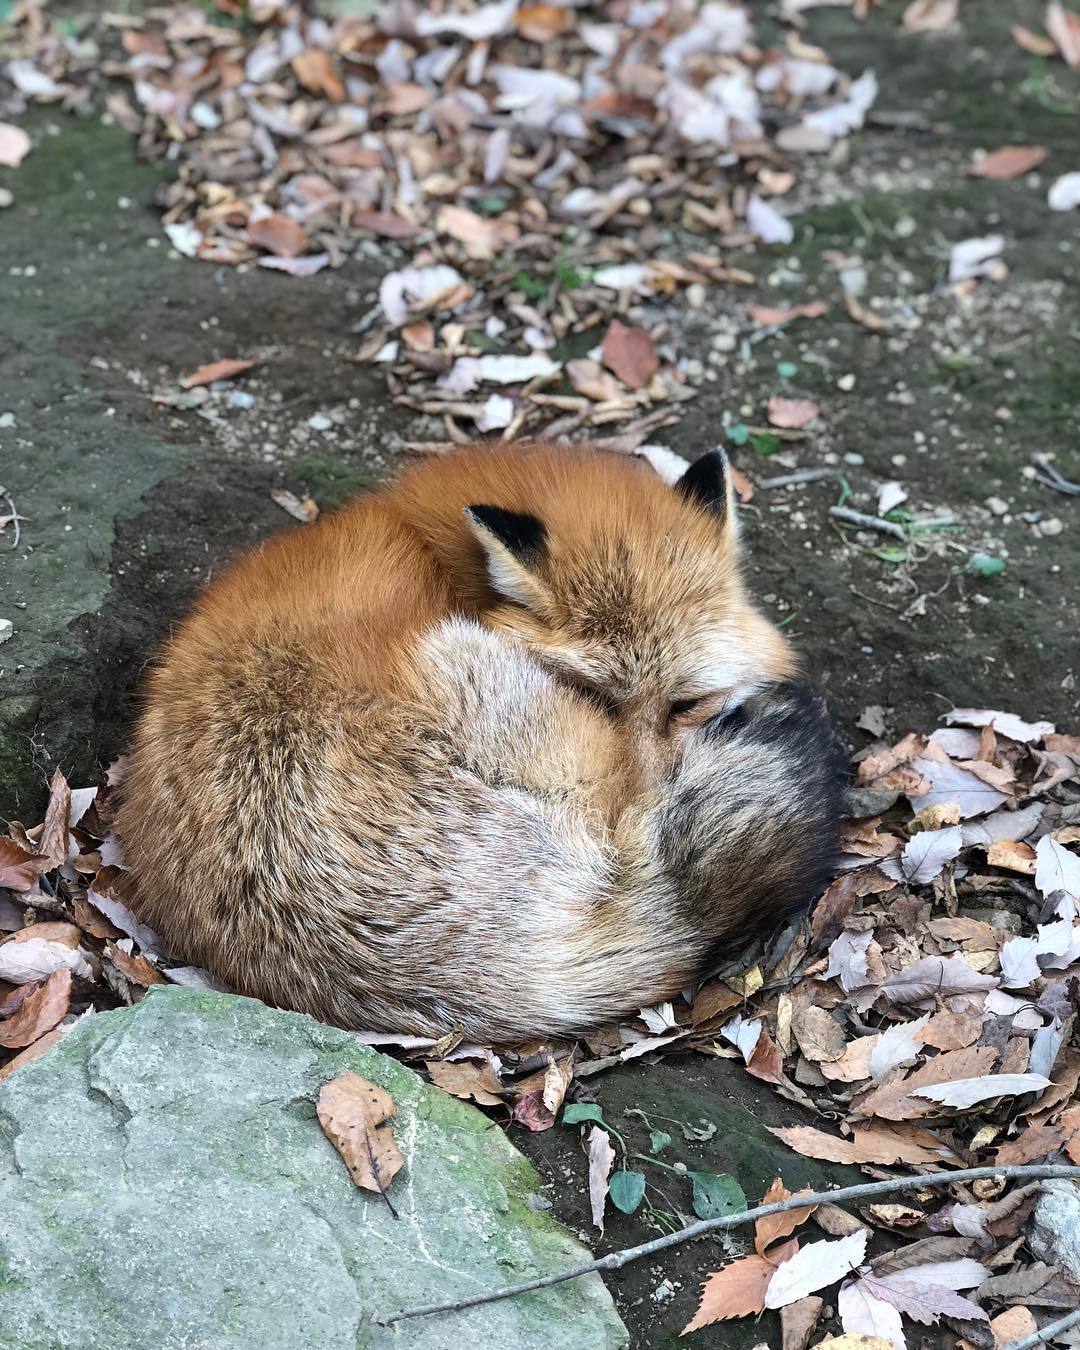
(630, 590)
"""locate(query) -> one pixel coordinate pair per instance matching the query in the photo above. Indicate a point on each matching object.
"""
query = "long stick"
(868, 522)
(695, 1230)
(1046, 1333)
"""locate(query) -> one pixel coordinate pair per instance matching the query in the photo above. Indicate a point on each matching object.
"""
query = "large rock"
(164, 1182)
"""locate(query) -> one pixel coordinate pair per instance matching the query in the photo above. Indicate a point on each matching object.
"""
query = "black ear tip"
(705, 481)
(521, 533)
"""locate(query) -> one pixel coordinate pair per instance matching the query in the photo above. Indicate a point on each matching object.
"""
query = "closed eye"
(602, 702)
(683, 705)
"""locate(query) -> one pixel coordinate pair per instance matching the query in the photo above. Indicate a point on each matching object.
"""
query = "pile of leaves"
(532, 165)
(925, 1012)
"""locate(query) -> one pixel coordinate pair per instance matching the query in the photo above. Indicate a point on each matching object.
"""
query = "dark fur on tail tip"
(754, 831)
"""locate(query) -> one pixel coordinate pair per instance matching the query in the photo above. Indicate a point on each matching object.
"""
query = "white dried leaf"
(975, 257)
(121, 917)
(527, 86)
(744, 1034)
(1019, 967)
(898, 1044)
(37, 958)
(1058, 944)
(964, 1273)
(81, 801)
(1064, 194)
(184, 237)
(816, 1266)
(668, 465)
(32, 82)
(1004, 824)
(965, 1092)
(924, 855)
(847, 961)
(934, 976)
(486, 21)
(1056, 869)
(890, 495)
(951, 784)
(1007, 723)
(625, 277)
(194, 977)
(601, 1158)
(497, 412)
(415, 286)
(660, 1019)
(861, 1314)
(843, 118)
(515, 369)
(766, 222)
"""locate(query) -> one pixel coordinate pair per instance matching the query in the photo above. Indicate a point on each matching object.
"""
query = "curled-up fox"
(502, 747)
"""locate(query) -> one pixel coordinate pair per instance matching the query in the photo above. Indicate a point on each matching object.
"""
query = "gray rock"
(164, 1182)
(1055, 1227)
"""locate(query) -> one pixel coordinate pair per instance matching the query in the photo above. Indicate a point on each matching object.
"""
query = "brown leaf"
(315, 71)
(137, 969)
(601, 1157)
(35, 1051)
(529, 1110)
(875, 766)
(279, 234)
(557, 1079)
(14, 145)
(766, 1062)
(402, 98)
(216, 370)
(1013, 856)
(541, 23)
(351, 1112)
(854, 1064)
(773, 1226)
(771, 316)
(630, 354)
(1014, 1324)
(792, 413)
(1064, 27)
(52, 844)
(1009, 162)
(892, 1101)
(420, 336)
(473, 1080)
(837, 1222)
(953, 1031)
(386, 224)
(818, 1034)
(739, 1289)
(798, 1321)
(1031, 42)
(304, 509)
(1037, 1141)
(895, 1216)
(839, 900)
(19, 870)
(880, 1144)
(923, 16)
(39, 1011)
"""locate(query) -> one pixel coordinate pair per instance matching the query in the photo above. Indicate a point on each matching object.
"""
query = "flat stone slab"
(164, 1181)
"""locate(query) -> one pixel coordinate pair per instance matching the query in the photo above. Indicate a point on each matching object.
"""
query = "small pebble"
(6, 197)
(663, 1292)
(7, 419)
(846, 383)
(238, 398)
(852, 458)
(1051, 526)
(724, 342)
(6, 629)
(997, 506)
(696, 295)
(320, 422)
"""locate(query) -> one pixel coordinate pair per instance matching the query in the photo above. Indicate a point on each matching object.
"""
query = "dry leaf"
(1014, 1324)
(879, 1144)
(14, 145)
(773, 1226)
(815, 1267)
(772, 316)
(934, 977)
(1037, 1141)
(967, 1092)
(303, 509)
(1013, 856)
(953, 1031)
(34, 1051)
(895, 1100)
(39, 1011)
(278, 234)
(798, 1321)
(739, 1289)
(542, 22)
(1010, 162)
(19, 870)
(897, 1045)
(793, 413)
(315, 72)
(137, 969)
(923, 16)
(861, 1314)
(1031, 42)
(216, 370)
(556, 1080)
(629, 353)
(466, 1078)
(601, 1158)
(1056, 869)
(818, 1034)
(385, 223)
(1064, 27)
(351, 1112)
(924, 855)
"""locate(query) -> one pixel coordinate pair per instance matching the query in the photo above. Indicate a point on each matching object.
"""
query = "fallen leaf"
(772, 316)
(529, 1110)
(280, 235)
(216, 370)
(924, 855)
(793, 413)
(934, 977)
(481, 238)
(14, 145)
(1014, 1324)
(19, 870)
(39, 1011)
(798, 1321)
(973, 258)
(923, 1293)
(385, 223)
(306, 266)
(33, 1051)
(879, 1144)
(304, 509)
(738, 1290)
(950, 783)
(629, 354)
(475, 1081)
(542, 22)
(923, 16)
(1031, 42)
(137, 969)
(897, 1045)
(766, 223)
(855, 1342)
(771, 1227)
(895, 1216)
(557, 1079)
(1033, 1143)
(1010, 162)
(953, 1031)
(1013, 856)
(351, 1112)
(25, 958)
(1056, 869)
(601, 1158)
(818, 1034)
(1064, 194)
(839, 899)
(967, 1092)
(315, 71)
(861, 1314)
(1064, 27)
(1008, 724)
(815, 1267)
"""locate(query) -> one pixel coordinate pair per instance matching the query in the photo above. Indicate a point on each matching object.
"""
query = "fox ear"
(514, 545)
(707, 483)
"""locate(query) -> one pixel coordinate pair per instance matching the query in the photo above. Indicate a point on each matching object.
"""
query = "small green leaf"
(983, 565)
(578, 1112)
(658, 1140)
(627, 1190)
(716, 1194)
(490, 205)
(699, 1131)
(739, 434)
(765, 443)
(787, 370)
(890, 553)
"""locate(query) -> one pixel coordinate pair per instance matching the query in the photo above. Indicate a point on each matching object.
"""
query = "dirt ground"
(130, 505)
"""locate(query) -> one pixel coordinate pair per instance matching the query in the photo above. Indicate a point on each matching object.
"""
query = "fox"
(501, 748)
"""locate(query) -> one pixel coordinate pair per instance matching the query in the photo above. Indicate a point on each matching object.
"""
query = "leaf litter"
(926, 1007)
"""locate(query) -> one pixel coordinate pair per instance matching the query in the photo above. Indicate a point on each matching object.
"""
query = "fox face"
(635, 599)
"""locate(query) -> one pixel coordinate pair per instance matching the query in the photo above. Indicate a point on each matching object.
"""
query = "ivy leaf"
(627, 1190)
(716, 1194)
(579, 1112)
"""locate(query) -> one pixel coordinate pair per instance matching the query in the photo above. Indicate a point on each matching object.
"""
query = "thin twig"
(374, 1165)
(614, 1260)
(1045, 1333)
(1053, 478)
(799, 476)
(868, 522)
